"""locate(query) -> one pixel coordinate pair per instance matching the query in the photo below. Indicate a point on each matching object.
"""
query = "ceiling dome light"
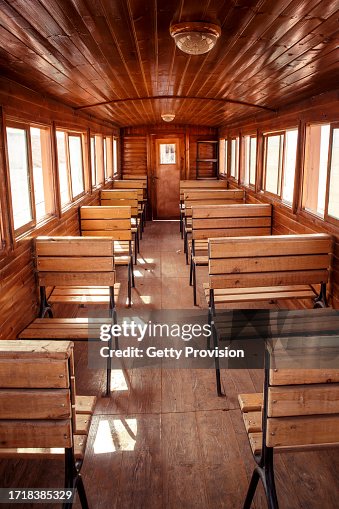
(195, 37)
(168, 117)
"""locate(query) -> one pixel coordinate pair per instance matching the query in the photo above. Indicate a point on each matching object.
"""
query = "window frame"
(281, 169)
(115, 148)
(67, 134)
(223, 146)
(229, 158)
(93, 158)
(108, 164)
(327, 217)
(266, 136)
(251, 136)
(50, 195)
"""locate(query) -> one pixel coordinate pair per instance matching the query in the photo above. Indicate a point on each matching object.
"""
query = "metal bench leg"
(45, 308)
(251, 489)
(216, 363)
(194, 283)
(321, 300)
(191, 271)
(82, 493)
(129, 296)
(266, 474)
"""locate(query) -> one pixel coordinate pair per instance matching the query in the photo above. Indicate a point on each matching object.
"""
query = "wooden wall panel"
(136, 146)
(134, 156)
(18, 291)
(285, 221)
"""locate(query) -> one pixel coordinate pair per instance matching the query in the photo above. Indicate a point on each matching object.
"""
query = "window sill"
(74, 203)
(33, 229)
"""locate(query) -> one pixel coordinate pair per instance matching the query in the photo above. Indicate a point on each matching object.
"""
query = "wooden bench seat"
(263, 294)
(265, 269)
(114, 223)
(126, 197)
(79, 329)
(136, 185)
(224, 221)
(206, 197)
(76, 268)
(84, 295)
(276, 267)
(80, 270)
(38, 417)
(302, 415)
(186, 186)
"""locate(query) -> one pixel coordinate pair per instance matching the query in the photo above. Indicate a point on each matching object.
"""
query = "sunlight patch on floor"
(118, 380)
(115, 435)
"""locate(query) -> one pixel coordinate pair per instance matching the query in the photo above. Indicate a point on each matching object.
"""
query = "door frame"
(153, 167)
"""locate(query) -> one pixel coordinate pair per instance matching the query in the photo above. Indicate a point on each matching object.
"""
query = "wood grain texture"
(119, 62)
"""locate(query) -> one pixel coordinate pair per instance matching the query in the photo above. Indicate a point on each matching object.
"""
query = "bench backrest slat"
(230, 220)
(120, 198)
(214, 197)
(269, 260)
(129, 184)
(111, 222)
(35, 395)
(69, 261)
(196, 185)
(304, 411)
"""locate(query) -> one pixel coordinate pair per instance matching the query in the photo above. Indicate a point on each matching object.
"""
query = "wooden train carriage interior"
(169, 156)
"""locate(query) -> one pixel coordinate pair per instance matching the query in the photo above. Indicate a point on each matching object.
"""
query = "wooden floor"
(164, 439)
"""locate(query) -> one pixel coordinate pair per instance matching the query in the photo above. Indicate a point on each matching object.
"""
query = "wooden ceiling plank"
(32, 39)
(286, 55)
(78, 21)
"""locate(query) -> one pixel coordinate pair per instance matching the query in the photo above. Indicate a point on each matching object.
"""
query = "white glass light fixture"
(195, 37)
(168, 117)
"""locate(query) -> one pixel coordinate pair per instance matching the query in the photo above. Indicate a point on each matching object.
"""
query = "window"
(115, 156)
(315, 168)
(93, 162)
(99, 159)
(250, 159)
(333, 195)
(167, 153)
(108, 157)
(222, 157)
(105, 158)
(70, 164)
(234, 167)
(280, 150)
(290, 156)
(20, 176)
(30, 175)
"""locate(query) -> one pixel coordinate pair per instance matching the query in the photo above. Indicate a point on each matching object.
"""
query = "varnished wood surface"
(170, 442)
(121, 53)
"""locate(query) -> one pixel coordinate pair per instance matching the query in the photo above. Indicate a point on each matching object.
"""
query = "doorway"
(166, 179)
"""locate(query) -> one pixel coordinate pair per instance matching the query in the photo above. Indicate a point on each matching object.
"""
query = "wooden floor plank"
(164, 440)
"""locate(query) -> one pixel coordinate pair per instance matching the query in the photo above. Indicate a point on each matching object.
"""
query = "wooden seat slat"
(85, 404)
(83, 423)
(76, 246)
(251, 402)
(50, 403)
(79, 443)
(35, 433)
(252, 421)
(310, 399)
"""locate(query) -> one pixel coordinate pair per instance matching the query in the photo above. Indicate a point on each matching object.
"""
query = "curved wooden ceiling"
(116, 59)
